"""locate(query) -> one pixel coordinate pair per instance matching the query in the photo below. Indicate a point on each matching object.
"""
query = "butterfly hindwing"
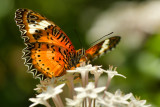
(47, 60)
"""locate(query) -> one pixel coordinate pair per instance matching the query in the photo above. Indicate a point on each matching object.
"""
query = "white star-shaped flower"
(110, 100)
(37, 101)
(85, 68)
(90, 91)
(75, 102)
(51, 92)
(97, 72)
(42, 87)
(137, 103)
(111, 73)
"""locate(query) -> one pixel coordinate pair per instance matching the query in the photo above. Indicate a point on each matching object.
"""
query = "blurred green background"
(137, 56)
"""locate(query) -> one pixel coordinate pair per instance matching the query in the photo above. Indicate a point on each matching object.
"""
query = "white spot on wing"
(44, 23)
(38, 26)
(104, 46)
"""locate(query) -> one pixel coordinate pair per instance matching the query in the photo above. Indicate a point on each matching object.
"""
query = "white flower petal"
(100, 89)
(120, 75)
(126, 97)
(108, 94)
(34, 104)
(143, 102)
(137, 103)
(118, 92)
(37, 101)
(90, 86)
(93, 95)
(90, 91)
(71, 102)
(60, 86)
(86, 68)
(79, 89)
(111, 74)
(116, 99)
(82, 95)
(51, 92)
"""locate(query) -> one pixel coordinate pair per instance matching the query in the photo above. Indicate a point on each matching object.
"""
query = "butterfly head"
(80, 53)
(81, 56)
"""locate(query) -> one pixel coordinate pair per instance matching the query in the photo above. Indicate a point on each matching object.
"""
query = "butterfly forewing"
(37, 28)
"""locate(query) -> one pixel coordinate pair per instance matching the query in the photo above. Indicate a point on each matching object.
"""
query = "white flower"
(43, 85)
(51, 92)
(90, 91)
(111, 73)
(37, 101)
(97, 72)
(137, 103)
(88, 94)
(85, 68)
(75, 102)
(112, 100)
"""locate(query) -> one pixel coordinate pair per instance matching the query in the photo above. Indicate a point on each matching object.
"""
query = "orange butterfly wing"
(44, 41)
(102, 47)
(98, 49)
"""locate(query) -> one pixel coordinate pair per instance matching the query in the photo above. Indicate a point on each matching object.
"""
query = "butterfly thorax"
(76, 57)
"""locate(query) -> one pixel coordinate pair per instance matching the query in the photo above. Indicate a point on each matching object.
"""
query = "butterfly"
(49, 51)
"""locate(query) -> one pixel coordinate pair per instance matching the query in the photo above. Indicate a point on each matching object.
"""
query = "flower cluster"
(86, 95)
(49, 91)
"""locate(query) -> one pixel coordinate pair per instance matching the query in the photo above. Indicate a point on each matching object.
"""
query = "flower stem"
(60, 101)
(94, 101)
(86, 78)
(83, 80)
(70, 86)
(47, 104)
(107, 84)
(90, 102)
(96, 80)
(85, 102)
(55, 102)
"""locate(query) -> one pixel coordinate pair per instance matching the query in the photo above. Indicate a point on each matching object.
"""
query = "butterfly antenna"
(83, 50)
(100, 38)
(78, 37)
